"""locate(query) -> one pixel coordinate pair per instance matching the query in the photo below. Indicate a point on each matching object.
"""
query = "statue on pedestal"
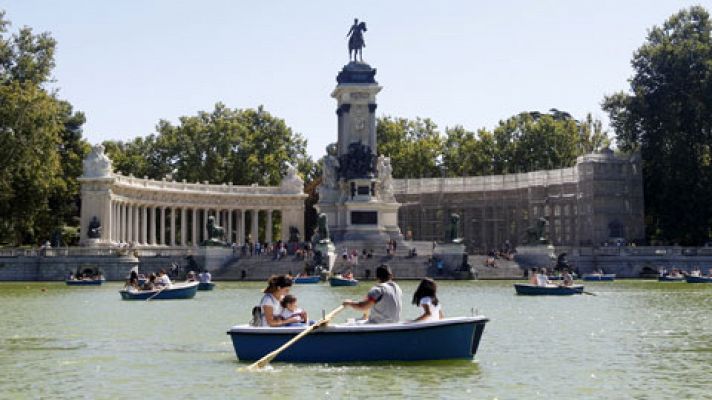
(385, 170)
(537, 234)
(323, 228)
(454, 231)
(94, 228)
(356, 42)
(331, 167)
(97, 164)
(215, 233)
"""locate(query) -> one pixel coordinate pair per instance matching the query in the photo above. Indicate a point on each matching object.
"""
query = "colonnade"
(165, 225)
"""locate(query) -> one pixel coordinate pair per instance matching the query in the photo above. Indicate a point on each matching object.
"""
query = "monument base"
(328, 253)
(537, 256)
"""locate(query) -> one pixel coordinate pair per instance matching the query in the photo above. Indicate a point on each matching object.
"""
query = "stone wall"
(598, 199)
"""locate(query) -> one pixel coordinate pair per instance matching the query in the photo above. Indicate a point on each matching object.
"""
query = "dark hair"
(287, 300)
(277, 281)
(152, 277)
(134, 275)
(427, 288)
(383, 273)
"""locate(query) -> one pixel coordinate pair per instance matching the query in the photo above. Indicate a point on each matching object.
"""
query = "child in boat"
(291, 310)
(426, 297)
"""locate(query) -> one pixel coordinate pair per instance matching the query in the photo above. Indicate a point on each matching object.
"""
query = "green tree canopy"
(41, 148)
(666, 116)
(415, 146)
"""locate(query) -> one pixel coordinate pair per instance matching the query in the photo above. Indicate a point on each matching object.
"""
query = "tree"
(415, 146)
(40, 141)
(666, 116)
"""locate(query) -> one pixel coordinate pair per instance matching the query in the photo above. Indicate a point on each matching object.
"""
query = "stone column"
(284, 226)
(123, 223)
(183, 226)
(255, 226)
(144, 224)
(268, 227)
(205, 223)
(194, 228)
(153, 225)
(137, 227)
(229, 226)
(129, 223)
(163, 226)
(241, 228)
(173, 226)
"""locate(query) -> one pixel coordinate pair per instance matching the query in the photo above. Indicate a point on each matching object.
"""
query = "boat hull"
(671, 279)
(598, 277)
(93, 282)
(307, 279)
(184, 291)
(698, 279)
(342, 282)
(533, 290)
(452, 338)
(206, 286)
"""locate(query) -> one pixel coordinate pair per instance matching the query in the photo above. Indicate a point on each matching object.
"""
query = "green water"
(635, 339)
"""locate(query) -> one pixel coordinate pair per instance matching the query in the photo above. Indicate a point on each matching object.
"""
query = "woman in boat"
(383, 301)
(132, 283)
(426, 297)
(163, 279)
(150, 284)
(277, 287)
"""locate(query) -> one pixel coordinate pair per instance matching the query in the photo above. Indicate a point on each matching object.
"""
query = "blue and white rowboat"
(206, 286)
(175, 292)
(307, 279)
(450, 338)
(698, 279)
(534, 290)
(84, 282)
(338, 281)
(599, 277)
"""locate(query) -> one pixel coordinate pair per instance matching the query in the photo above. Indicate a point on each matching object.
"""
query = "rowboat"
(177, 291)
(534, 290)
(598, 277)
(84, 282)
(338, 281)
(307, 279)
(206, 286)
(668, 278)
(450, 338)
(698, 279)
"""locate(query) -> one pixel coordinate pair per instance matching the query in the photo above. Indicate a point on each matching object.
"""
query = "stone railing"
(184, 186)
(96, 251)
(659, 251)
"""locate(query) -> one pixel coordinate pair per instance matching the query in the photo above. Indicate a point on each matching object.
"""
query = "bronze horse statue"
(214, 231)
(356, 42)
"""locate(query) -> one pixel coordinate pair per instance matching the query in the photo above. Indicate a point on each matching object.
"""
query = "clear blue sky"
(128, 64)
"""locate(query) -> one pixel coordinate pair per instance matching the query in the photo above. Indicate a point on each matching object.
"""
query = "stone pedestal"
(535, 256)
(213, 258)
(449, 259)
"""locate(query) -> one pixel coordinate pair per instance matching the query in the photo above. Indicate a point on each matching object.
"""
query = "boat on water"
(599, 277)
(84, 282)
(307, 279)
(668, 278)
(206, 286)
(698, 279)
(341, 281)
(552, 290)
(175, 292)
(449, 338)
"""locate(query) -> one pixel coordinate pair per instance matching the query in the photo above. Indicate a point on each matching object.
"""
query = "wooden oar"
(262, 362)
(156, 294)
(589, 293)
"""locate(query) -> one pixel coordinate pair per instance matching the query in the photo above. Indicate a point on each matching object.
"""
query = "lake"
(634, 339)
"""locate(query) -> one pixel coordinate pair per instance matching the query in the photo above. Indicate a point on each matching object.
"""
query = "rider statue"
(356, 42)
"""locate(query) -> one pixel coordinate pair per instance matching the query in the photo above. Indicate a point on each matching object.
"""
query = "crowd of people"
(382, 303)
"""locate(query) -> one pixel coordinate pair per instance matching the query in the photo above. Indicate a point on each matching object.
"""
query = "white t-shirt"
(205, 277)
(164, 280)
(287, 314)
(542, 280)
(434, 310)
(269, 300)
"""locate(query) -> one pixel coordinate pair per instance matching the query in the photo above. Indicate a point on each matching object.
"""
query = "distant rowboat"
(175, 292)
(534, 290)
(84, 282)
(598, 277)
(338, 281)
(698, 279)
(669, 278)
(206, 286)
(307, 279)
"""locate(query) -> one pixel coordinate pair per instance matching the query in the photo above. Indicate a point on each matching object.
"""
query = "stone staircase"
(505, 269)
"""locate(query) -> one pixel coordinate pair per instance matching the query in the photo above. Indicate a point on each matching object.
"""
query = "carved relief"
(97, 164)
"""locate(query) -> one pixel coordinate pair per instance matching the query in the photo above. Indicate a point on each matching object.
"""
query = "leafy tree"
(40, 141)
(666, 116)
(415, 146)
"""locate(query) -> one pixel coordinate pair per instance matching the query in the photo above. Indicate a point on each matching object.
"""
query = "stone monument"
(96, 182)
(537, 252)
(356, 194)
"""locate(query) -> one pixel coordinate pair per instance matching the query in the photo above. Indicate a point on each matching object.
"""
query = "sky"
(128, 64)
